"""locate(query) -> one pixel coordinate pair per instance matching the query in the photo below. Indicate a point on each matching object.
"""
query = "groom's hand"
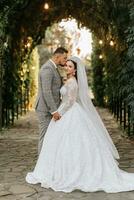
(56, 116)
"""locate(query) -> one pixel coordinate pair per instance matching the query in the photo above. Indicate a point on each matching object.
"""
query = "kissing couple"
(75, 148)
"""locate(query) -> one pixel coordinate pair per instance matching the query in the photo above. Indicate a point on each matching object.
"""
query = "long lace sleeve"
(69, 96)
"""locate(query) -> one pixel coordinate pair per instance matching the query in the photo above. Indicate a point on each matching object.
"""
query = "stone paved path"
(18, 153)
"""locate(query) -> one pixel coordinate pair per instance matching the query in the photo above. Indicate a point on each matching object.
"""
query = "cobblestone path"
(18, 153)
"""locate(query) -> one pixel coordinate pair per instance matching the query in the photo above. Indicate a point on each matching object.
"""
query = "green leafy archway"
(24, 21)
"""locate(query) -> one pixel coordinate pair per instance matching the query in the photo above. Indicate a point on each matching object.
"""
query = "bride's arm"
(71, 88)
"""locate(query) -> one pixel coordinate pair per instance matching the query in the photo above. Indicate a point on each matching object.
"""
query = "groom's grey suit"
(48, 98)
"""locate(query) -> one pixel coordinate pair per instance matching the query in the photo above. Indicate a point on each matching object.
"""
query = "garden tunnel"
(109, 21)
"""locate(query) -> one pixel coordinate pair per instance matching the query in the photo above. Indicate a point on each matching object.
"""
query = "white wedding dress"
(74, 156)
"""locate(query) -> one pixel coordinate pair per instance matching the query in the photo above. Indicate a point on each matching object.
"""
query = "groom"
(48, 98)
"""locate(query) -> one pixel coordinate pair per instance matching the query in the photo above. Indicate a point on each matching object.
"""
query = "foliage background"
(24, 21)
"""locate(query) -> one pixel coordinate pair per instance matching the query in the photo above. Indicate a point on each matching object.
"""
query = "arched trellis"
(24, 19)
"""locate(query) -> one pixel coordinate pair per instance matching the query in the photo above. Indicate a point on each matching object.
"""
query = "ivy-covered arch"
(24, 19)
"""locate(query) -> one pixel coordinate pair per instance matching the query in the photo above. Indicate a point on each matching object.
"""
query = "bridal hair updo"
(75, 67)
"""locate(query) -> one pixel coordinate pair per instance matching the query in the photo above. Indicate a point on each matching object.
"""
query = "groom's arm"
(46, 76)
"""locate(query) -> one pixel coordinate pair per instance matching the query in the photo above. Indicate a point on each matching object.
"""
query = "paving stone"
(18, 189)
(4, 193)
(27, 196)
(11, 197)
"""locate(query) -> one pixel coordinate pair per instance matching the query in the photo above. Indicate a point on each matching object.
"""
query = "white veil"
(85, 101)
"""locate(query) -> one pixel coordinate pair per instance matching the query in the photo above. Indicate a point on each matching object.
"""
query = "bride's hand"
(56, 116)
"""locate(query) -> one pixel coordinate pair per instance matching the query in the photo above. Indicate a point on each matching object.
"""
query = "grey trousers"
(44, 120)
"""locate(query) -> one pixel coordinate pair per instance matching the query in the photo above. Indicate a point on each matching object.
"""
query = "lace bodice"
(69, 92)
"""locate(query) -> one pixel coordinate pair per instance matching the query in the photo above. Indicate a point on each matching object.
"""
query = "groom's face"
(62, 59)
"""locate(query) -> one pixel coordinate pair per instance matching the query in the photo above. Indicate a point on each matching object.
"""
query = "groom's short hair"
(60, 50)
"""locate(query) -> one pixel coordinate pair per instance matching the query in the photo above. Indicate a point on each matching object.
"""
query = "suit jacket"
(49, 84)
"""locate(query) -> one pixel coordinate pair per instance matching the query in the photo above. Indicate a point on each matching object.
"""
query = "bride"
(77, 151)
